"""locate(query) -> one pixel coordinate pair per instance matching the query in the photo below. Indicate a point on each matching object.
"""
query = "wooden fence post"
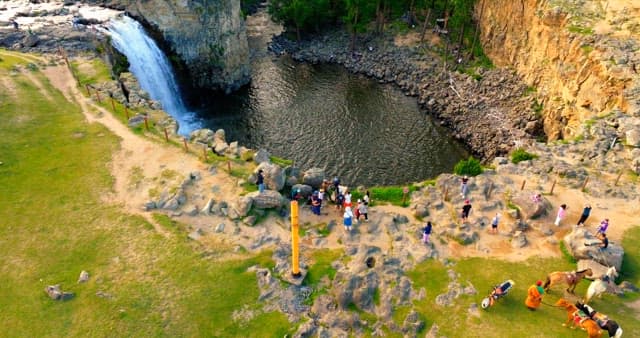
(489, 191)
(184, 141)
(618, 178)
(552, 187)
(229, 166)
(166, 135)
(585, 183)
(126, 112)
(146, 123)
(204, 151)
(97, 95)
(88, 91)
(524, 182)
(444, 195)
(113, 105)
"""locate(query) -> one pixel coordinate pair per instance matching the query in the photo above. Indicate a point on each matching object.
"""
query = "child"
(347, 218)
(604, 225)
(426, 232)
(494, 223)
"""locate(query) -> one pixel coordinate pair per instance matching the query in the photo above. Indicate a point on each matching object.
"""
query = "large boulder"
(267, 199)
(529, 209)
(305, 190)
(598, 269)
(633, 137)
(579, 244)
(313, 177)
(274, 177)
(201, 136)
(262, 156)
(242, 205)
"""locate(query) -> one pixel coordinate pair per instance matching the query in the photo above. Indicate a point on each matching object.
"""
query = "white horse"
(600, 285)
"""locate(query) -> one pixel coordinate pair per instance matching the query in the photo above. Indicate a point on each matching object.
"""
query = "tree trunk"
(477, 32)
(355, 32)
(424, 26)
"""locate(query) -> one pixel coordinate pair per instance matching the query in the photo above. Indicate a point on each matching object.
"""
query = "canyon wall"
(581, 58)
(209, 37)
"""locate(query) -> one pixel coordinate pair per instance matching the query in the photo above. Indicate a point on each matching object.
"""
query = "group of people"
(601, 231)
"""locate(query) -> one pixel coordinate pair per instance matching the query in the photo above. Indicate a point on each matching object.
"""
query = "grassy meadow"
(54, 223)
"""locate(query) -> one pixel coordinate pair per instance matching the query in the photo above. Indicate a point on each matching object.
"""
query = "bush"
(470, 167)
(520, 155)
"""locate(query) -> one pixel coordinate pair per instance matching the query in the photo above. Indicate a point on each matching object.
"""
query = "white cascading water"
(152, 69)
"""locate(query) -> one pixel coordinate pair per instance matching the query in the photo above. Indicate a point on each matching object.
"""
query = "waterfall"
(152, 69)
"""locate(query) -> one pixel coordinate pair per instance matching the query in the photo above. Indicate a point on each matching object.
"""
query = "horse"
(600, 285)
(611, 326)
(571, 278)
(592, 328)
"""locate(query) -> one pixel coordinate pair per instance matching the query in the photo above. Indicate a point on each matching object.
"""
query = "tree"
(359, 13)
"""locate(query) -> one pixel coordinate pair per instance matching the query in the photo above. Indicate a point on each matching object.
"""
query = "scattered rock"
(196, 234)
(220, 228)
(262, 156)
(84, 276)
(54, 292)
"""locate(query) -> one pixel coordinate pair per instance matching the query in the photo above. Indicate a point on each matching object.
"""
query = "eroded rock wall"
(208, 36)
(581, 58)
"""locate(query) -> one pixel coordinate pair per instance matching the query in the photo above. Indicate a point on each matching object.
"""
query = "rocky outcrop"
(583, 246)
(209, 37)
(579, 57)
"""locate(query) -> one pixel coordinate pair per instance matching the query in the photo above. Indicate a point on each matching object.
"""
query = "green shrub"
(520, 155)
(470, 167)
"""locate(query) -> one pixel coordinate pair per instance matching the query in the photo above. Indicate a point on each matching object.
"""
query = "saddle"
(579, 317)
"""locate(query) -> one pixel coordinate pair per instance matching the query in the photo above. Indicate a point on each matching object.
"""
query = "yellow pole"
(295, 240)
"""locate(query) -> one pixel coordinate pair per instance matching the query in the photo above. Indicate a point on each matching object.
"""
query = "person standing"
(347, 199)
(362, 210)
(604, 225)
(494, 223)
(466, 209)
(562, 211)
(426, 232)
(534, 296)
(347, 218)
(366, 199)
(260, 181)
(316, 203)
(464, 189)
(585, 214)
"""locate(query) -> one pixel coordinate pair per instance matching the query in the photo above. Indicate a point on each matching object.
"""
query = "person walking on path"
(604, 225)
(347, 218)
(464, 189)
(466, 209)
(585, 214)
(426, 232)
(534, 296)
(362, 211)
(260, 181)
(494, 223)
(339, 201)
(562, 211)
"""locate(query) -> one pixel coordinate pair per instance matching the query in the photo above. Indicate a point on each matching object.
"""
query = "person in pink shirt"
(562, 211)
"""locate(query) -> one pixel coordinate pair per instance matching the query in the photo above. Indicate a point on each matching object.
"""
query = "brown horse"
(571, 278)
(592, 328)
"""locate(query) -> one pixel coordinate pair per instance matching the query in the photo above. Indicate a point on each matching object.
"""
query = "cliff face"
(208, 36)
(581, 58)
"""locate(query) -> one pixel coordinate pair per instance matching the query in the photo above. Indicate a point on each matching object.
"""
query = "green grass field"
(54, 224)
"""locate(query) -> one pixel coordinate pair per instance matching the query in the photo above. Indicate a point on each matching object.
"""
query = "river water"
(323, 116)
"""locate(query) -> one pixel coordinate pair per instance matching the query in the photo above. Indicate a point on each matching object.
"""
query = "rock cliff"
(580, 56)
(208, 36)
